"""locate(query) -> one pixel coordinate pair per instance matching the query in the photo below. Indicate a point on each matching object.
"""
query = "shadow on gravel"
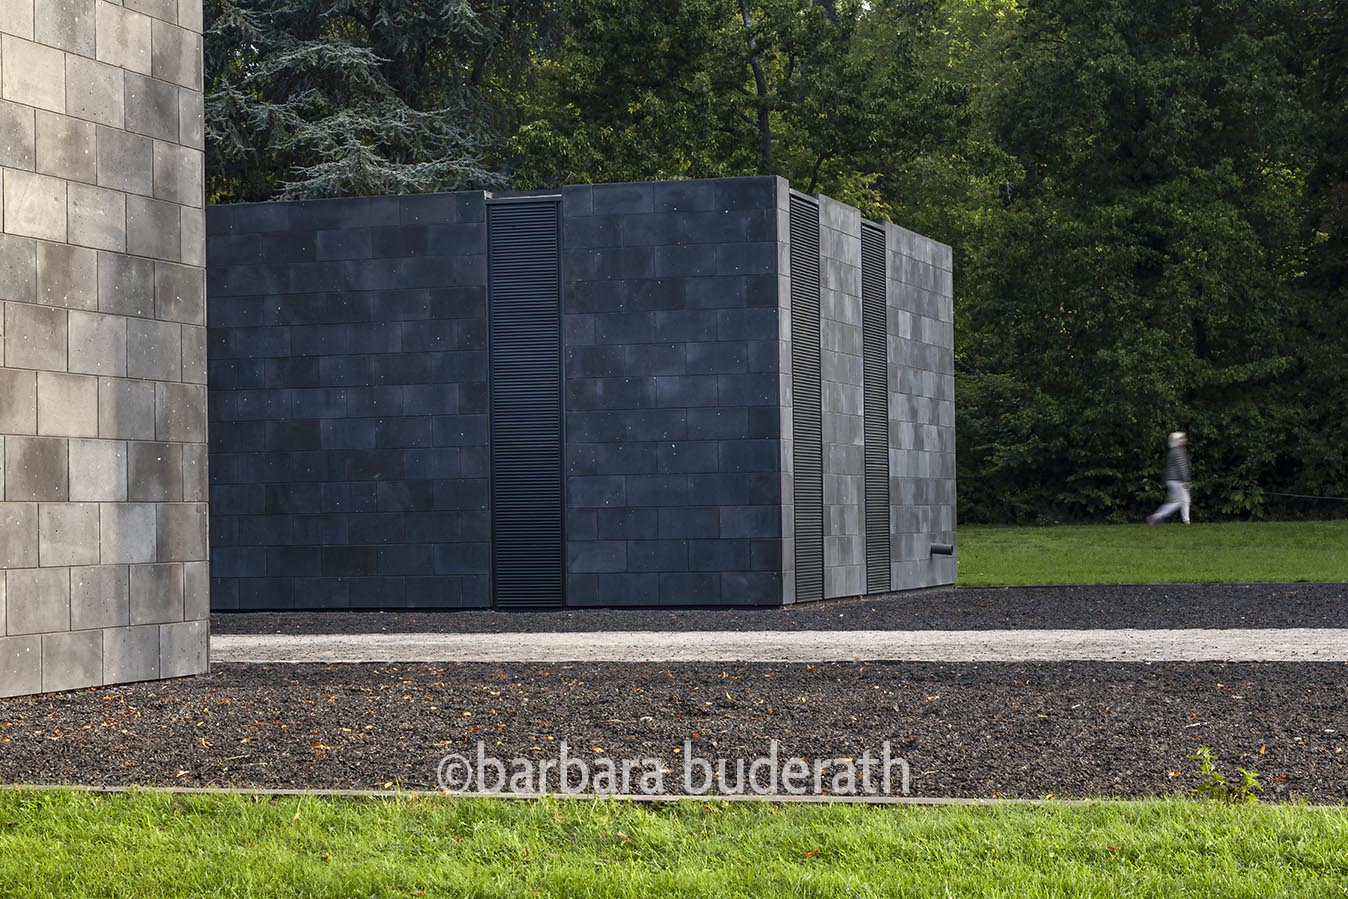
(969, 608)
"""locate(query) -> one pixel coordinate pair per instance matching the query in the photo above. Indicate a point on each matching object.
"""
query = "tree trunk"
(761, 83)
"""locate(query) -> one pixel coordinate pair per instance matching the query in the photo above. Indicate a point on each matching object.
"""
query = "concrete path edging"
(1119, 645)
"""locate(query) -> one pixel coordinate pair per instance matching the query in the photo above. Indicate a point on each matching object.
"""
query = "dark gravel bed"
(966, 608)
(1026, 730)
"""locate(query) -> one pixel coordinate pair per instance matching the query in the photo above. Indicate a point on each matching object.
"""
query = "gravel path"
(966, 608)
(1125, 645)
(1078, 729)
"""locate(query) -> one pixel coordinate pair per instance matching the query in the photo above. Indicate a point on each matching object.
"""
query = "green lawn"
(71, 844)
(1230, 552)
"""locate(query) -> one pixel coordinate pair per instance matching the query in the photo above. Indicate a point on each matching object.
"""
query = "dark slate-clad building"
(717, 392)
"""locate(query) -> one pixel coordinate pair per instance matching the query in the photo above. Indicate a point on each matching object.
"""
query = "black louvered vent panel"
(524, 295)
(875, 359)
(807, 429)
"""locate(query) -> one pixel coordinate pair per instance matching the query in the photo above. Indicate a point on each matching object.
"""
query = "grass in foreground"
(1230, 552)
(72, 844)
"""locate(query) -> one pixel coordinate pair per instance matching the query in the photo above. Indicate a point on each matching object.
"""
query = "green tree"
(308, 99)
(1316, 461)
(826, 94)
(1135, 278)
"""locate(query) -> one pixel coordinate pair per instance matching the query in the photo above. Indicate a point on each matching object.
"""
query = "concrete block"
(183, 648)
(156, 593)
(180, 293)
(180, 532)
(192, 222)
(125, 285)
(180, 412)
(33, 74)
(130, 654)
(97, 343)
(127, 533)
(35, 337)
(178, 174)
(125, 409)
(156, 472)
(16, 18)
(98, 471)
(151, 107)
(165, 10)
(35, 470)
(123, 38)
(18, 135)
(97, 217)
(37, 600)
(694, 587)
(196, 485)
(175, 55)
(189, 15)
(65, 147)
(72, 661)
(194, 354)
(196, 591)
(621, 198)
(67, 534)
(191, 121)
(18, 535)
(20, 657)
(67, 405)
(152, 228)
(18, 401)
(66, 24)
(585, 557)
(95, 91)
(35, 205)
(125, 161)
(657, 555)
(153, 350)
(67, 276)
(18, 268)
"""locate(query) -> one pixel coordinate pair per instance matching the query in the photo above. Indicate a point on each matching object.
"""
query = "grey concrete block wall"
(841, 370)
(349, 400)
(102, 390)
(921, 327)
(348, 405)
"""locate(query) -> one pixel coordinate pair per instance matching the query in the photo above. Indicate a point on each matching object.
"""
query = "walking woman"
(1177, 478)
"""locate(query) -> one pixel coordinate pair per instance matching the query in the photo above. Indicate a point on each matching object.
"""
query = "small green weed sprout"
(1217, 786)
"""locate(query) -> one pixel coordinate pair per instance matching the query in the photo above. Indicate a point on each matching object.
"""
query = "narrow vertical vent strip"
(875, 361)
(524, 299)
(807, 430)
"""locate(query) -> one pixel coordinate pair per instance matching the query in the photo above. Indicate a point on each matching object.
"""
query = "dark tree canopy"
(314, 98)
(1148, 200)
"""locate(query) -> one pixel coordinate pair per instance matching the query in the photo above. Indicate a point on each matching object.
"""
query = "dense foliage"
(1148, 199)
